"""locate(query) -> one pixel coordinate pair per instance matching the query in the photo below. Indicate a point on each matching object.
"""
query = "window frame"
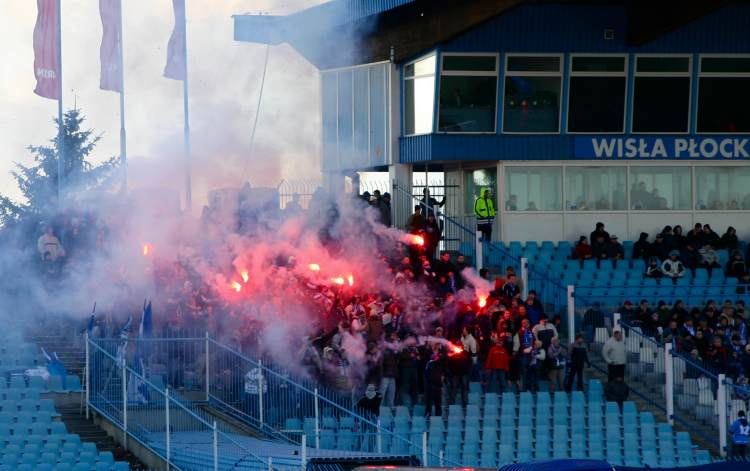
(624, 74)
(435, 54)
(507, 165)
(700, 74)
(560, 74)
(637, 74)
(466, 73)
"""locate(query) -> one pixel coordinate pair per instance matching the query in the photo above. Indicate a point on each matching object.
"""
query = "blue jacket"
(740, 431)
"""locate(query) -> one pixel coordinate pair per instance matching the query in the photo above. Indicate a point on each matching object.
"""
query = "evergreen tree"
(38, 182)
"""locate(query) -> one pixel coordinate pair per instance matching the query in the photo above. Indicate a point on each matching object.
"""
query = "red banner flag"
(176, 67)
(46, 63)
(109, 53)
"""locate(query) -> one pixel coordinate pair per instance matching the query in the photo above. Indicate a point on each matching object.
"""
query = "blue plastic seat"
(55, 384)
(73, 383)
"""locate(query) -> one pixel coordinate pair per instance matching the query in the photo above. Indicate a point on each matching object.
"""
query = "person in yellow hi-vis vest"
(485, 213)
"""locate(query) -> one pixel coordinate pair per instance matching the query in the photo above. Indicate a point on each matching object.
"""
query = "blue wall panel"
(580, 28)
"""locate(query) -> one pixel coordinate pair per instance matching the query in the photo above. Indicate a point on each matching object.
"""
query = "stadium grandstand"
(542, 277)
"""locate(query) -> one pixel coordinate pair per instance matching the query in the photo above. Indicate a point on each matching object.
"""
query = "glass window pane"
(467, 104)
(472, 63)
(409, 106)
(598, 64)
(596, 104)
(660, 104)
(663, 64)
(725, 64)
(660, 188)
(425, 66)
(533, 188)
(531, 104)
(476, 180)
(533, 64)
(723, 104)
(722, 188)
(595, 189)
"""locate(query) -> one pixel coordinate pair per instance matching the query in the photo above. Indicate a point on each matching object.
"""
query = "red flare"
(338, 280)
(245, 276)
(455, 349)
(236, 286)
(146, 249)
(482, 301)
(314, 267)
(350, 280)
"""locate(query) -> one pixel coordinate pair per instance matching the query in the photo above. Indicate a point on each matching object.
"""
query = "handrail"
(351, 412)
(169, 401)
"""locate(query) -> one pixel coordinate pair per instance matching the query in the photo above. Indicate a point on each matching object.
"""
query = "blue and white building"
(636, 114)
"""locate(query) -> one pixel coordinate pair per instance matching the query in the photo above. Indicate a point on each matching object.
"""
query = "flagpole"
(188, 183)
(123, 135)
(61, 130)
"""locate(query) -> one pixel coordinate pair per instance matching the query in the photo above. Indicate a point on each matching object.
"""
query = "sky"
(224, 79)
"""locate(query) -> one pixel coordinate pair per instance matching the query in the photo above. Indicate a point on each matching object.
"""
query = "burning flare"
(146, 249)
(314, 267)
(350, 280)
(236, 286)
(245, 276)
(414, 239)
(339, 280)
(482, 300)
(455, 349)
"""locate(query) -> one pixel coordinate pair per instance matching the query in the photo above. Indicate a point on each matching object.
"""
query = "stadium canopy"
(342, 33)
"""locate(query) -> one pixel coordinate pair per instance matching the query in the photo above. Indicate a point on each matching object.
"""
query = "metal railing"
(177, 431)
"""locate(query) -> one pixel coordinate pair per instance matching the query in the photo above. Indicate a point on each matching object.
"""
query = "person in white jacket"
(672, 267)
(614, 355)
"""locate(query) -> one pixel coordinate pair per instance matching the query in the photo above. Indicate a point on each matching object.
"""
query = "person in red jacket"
(497, 365)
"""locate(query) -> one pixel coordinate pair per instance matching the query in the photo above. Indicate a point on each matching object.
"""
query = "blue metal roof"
(270, 29)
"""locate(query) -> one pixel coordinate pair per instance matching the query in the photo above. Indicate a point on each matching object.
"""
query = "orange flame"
(146, 249)
(245, 276)
(455, 349)
(482, 301)
(350, 279)
(415, 240)
(236, 286)
(314, 267)
(339, 280)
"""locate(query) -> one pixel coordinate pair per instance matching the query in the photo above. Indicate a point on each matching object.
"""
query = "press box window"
(468, 94)
(595, 188)
(533, 188)
(660, 188)
(596, 101)
(531, 103)
(419, 96)
(724, 95)
(661, 94)
(722, 188)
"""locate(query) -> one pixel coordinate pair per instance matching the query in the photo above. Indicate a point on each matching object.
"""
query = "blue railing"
(182, 435)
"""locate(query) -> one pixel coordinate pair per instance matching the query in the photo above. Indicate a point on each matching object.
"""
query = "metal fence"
(683, 389)
(175, 429)
(302, 190)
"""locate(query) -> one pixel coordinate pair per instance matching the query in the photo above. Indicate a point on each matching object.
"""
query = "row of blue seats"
(101, 466)
(55, 383)
(28, 405)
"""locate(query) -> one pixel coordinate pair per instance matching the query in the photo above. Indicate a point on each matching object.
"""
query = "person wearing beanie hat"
(740, 432)
(642, 247)
(672, 267)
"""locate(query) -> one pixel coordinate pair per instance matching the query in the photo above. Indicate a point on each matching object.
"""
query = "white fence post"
(216, 448)
(616, 322)
(379, 438)
(207, 363)
(270, 464)
(571, 314)
(478, 250)
(124, 406)
(317, 420)
(525, 277)
(168, 444)
(721, 397)
(303, 462)
(260, 392)
(424, 449)
(669, 381)
(87, 378)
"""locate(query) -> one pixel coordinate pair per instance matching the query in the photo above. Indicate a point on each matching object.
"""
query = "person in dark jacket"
(736, 266)
(599, 247)
(459, 368)
(370, 402)
(578, 359)
(615, 250)
(408, 379)
(659, 248)
(599, 232)
(617, 391)
(690, 256)
(709, 236)
(434, 374)
(642, 247)
(432, 236)
(389, 373)
(695, 236)
(729, 240)
(678, 238)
